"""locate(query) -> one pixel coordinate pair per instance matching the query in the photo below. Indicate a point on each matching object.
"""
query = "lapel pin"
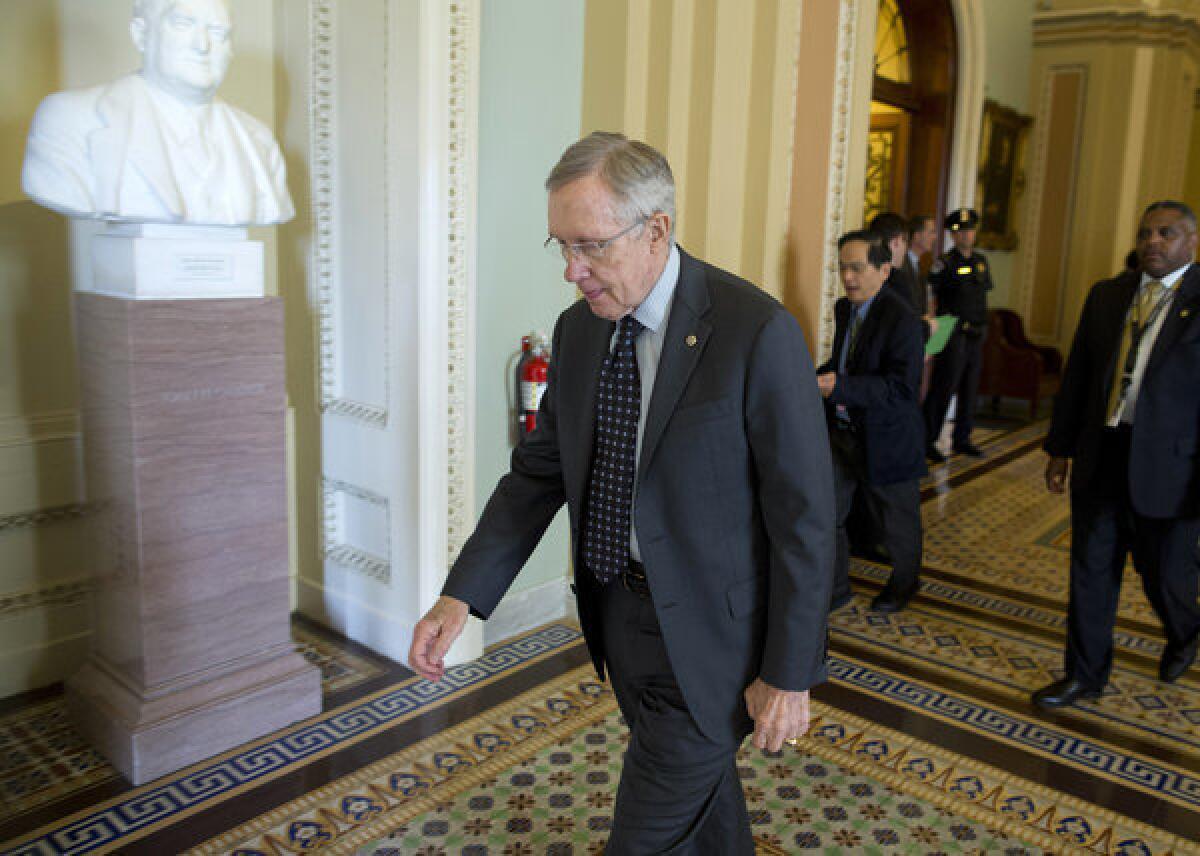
(691, 340)
(1185, 313)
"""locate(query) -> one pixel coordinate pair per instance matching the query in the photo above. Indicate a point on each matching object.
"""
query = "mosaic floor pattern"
(1005, 529)
(43, 758)
(537, 775)
(1135, 702)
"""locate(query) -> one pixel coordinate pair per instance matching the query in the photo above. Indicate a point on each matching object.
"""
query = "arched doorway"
(912, 108)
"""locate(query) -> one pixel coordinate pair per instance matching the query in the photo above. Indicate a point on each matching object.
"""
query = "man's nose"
(201, 40)
(577, 268)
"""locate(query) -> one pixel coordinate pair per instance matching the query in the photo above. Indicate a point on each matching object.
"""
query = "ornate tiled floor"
(538, 775)
(925, 741)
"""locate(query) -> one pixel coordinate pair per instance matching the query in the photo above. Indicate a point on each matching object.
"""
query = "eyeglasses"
(591, 249)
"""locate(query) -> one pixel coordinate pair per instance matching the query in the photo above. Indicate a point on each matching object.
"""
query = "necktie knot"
(1150, 294)
(629, 328)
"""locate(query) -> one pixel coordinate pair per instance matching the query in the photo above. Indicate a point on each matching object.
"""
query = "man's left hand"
(779, 715)
(826, 382)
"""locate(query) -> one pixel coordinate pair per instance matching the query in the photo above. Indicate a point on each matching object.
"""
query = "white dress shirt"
(654, 312)
(1128, 406)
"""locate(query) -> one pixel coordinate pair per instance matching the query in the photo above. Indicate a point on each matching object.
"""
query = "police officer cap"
(963, 218)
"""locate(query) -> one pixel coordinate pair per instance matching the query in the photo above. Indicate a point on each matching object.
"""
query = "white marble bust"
(157, 146)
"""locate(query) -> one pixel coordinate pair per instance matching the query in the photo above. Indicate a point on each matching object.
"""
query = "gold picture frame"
(1001, 178)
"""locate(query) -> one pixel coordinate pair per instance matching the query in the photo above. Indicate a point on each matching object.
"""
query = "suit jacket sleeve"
(516, 516)
(1070, 404)
(898, 378)
(790, 446)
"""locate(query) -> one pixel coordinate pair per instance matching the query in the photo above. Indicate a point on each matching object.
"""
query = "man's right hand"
(433, 636)
(1056, 474)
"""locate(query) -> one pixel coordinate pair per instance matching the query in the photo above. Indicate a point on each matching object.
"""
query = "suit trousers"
(1104, 530)
(956, 372)
(679, 791)
(896, 507)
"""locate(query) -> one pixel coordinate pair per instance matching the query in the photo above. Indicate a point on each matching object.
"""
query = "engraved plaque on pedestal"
(144, 261)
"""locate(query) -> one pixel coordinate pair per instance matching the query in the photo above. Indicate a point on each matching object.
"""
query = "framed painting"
(1002, 144)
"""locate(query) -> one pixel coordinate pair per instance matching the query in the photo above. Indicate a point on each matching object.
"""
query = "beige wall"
(709, 83)
(1008, 28)
(1138, 73)
(1191, 184)
(44, 557)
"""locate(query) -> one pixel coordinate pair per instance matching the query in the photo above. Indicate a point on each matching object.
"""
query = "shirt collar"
(863, 308)
(1170, 279)
(653, 309)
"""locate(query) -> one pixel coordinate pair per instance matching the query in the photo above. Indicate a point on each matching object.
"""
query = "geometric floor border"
(367, 804)
(132, 815)
(1039, 737)
(943, 590)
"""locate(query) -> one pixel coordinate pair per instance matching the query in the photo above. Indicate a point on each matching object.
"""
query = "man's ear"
(660, 223)
(137, 32)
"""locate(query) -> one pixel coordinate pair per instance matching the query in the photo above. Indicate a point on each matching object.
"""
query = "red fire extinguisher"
(532, 371)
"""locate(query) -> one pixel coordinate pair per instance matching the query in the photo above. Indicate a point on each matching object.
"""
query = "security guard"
(960, 280)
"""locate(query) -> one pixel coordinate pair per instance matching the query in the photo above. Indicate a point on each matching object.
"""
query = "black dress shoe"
(893, 600)
(932, 453)
(1176, 661)
(969, 449)
(1064, 693)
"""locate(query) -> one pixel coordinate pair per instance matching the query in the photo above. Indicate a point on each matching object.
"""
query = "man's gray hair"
(637, 174)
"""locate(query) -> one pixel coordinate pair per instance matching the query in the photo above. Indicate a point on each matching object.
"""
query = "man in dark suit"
(961, 280)
(1128, 414)
(903, 280)
(682, 428)
(870, 386)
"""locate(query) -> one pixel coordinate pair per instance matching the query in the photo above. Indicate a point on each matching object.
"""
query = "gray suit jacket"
(734, 510)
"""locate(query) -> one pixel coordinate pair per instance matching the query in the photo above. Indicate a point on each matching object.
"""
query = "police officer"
(960, 280)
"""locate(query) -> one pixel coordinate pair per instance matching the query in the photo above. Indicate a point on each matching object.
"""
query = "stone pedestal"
(183, 419)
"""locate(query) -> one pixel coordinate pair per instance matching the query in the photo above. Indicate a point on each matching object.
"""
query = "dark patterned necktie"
(610, 490)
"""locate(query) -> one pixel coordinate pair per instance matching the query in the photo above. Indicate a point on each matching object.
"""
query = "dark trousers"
(896, 508)
(956, 372)
(1104, 530)
(679, 791)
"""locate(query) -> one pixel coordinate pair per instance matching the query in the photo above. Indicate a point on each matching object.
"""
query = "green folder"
(945, 326)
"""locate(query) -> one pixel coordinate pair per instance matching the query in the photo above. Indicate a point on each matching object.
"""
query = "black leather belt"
(634, 579)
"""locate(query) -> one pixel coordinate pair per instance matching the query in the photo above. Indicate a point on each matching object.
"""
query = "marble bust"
(158, 146)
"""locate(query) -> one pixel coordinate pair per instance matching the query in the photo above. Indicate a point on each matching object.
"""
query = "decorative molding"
(1110, 25)
(368, 413)
(36, 428)
(461, 121)
(968, 104)
(70, 593)
(323, 136)
(43, 517)
(323, 159)
(839, 154)
(333, 543)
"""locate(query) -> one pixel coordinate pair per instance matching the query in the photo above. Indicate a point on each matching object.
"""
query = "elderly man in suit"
(682, 428)
(870, 384)
(158, 146)
(1128, 415)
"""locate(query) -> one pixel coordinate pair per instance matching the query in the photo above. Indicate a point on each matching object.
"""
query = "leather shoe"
(841, 599)
(1175, 661)
(968, 449)
(932, 453)
(891, 600)
(1063, 693)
